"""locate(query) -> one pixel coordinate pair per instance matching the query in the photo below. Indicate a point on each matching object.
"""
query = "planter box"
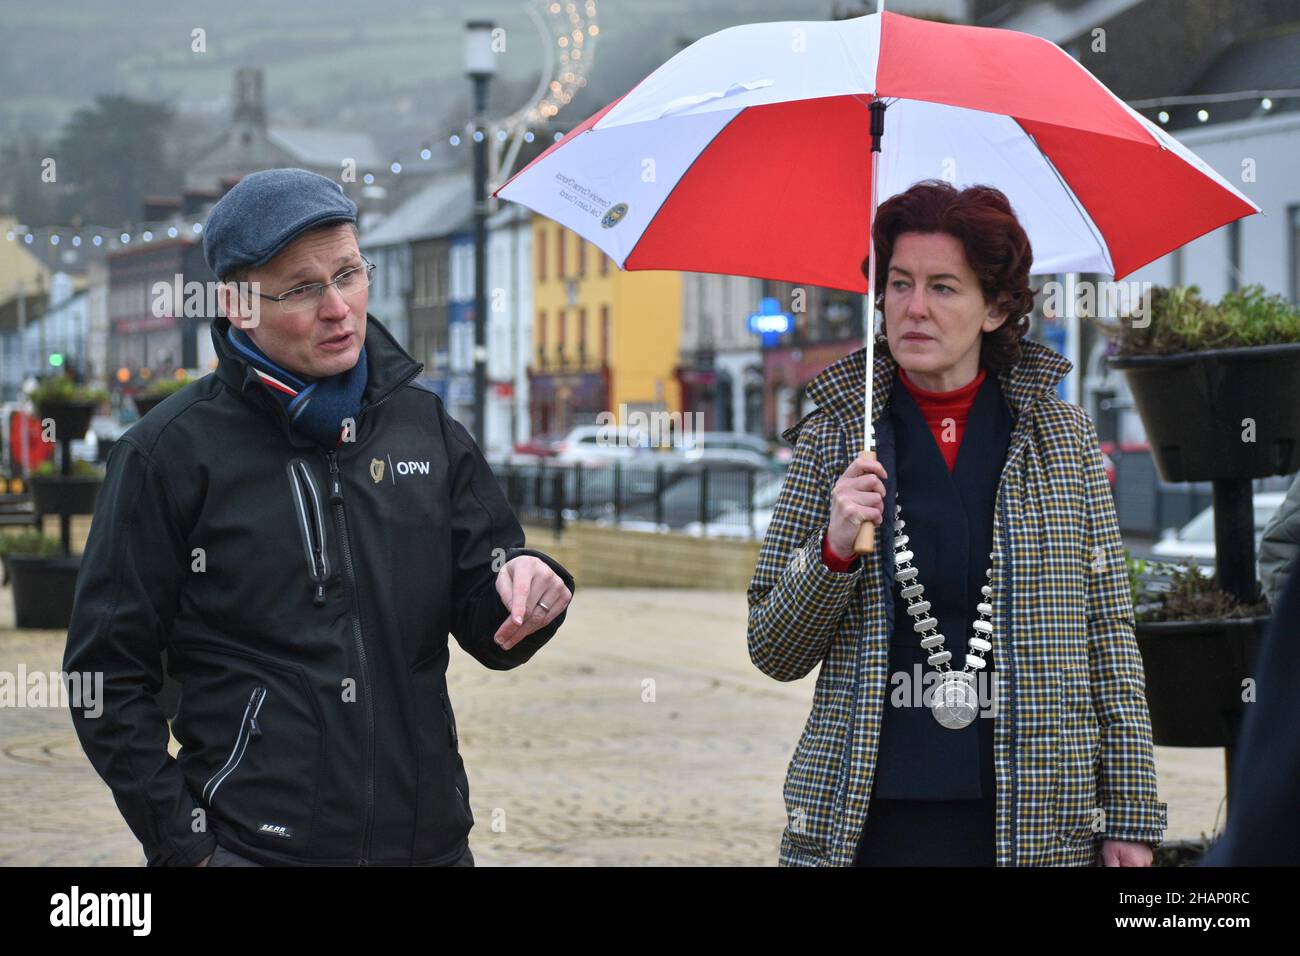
(1192, 405)
(71, 495)
(145, 405)
(43, 590)
(71, 419)
(1194, 674)
(1181, 853)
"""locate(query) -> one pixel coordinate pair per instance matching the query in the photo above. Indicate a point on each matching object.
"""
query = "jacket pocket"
(309, 513)
(809, 792)
(248, 730)
(251, 747)
(1079, 818)
(462, 780)
(443, 817)
(451, 721)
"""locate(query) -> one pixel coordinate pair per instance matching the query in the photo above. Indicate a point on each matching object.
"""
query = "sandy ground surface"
(641, 735)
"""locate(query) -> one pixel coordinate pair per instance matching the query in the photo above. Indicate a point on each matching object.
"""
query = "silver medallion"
(954, 702)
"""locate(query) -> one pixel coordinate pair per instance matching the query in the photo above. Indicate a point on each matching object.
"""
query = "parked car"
(735, 522)
(729, 484)
(1109, 447)
(739, 447)
(1194, 541)
(597, 442)
(540, 446)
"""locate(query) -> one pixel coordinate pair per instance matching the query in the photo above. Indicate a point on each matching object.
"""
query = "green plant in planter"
(61, 390)
(1191, 595)
(1181, 321)
(164, 387)
(32, 543)
(80, 469)
(1183, 852)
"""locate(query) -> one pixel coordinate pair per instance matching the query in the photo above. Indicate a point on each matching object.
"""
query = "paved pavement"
(641, 735)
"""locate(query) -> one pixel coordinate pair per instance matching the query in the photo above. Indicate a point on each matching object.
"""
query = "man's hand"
(525, 584)
(1124, 853)
(204, 861)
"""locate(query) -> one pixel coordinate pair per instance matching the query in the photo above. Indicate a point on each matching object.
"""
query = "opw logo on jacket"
(275, 829)
(404, 468)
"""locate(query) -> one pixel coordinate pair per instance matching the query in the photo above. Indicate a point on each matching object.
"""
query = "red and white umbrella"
(750, 153)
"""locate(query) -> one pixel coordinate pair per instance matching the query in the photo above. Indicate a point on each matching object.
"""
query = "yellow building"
(604, 340)
(24, 284)
(19, 268)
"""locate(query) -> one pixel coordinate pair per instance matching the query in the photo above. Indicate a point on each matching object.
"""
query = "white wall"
(510, 330)
(1274, 146)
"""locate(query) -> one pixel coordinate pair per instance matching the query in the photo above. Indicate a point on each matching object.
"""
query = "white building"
(510, 327)
(1260, 156)
(721, 363)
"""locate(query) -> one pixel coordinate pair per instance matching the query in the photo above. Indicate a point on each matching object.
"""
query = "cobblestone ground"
(569, 764)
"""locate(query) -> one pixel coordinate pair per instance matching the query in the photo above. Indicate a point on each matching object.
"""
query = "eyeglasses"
(308, 296)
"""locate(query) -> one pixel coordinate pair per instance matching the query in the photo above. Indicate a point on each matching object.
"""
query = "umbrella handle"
(865, 542)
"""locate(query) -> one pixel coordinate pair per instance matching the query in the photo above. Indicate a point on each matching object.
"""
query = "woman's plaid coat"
(1073, 753)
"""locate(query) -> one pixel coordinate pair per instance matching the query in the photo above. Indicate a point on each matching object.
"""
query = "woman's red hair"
(996, 245)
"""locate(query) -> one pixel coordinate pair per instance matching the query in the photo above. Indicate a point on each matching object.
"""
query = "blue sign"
(769, 321)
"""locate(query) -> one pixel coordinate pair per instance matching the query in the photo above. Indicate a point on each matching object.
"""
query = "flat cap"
(267, 210)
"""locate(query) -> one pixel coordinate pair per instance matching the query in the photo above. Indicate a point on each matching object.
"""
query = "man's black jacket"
(304, 599)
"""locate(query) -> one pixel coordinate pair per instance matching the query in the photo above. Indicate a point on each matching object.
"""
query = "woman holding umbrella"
(999, 581)
(1051, 762)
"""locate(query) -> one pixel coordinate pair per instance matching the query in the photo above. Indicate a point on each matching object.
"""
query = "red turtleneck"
(943, 411)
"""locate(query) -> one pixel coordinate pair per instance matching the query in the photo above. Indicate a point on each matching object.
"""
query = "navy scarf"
(316, 406)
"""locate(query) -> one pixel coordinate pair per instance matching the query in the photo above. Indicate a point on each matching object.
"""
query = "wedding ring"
(542, 606)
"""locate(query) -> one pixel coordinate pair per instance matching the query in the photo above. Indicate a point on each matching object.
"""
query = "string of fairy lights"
(570, 31)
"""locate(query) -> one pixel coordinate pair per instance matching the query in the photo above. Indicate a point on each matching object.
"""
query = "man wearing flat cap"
(299, 532)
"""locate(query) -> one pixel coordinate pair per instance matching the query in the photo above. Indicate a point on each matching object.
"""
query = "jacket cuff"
(812, 579)
(833, 560)
(1142, 821)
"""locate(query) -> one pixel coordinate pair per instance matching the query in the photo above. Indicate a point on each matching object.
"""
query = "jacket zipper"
(248, 729)
(312, 520)
(336, 497)
(1011, 655)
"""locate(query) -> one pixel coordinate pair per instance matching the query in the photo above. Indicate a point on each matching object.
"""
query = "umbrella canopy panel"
(748, 153)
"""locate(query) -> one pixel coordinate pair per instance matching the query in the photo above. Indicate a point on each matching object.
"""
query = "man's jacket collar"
(389, 366)
(838, 388)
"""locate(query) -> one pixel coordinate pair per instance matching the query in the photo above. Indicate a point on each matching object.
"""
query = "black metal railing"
(713, 499)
